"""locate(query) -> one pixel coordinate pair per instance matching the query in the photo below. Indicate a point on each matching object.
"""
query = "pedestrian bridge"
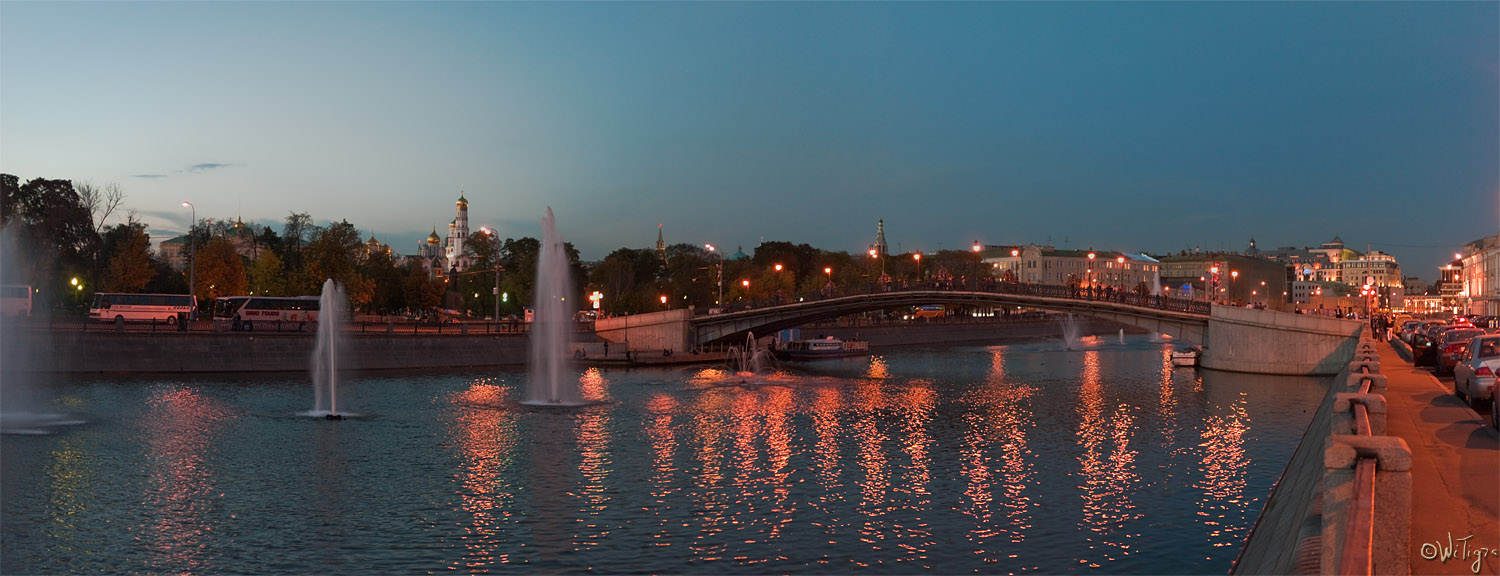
(1233, 339)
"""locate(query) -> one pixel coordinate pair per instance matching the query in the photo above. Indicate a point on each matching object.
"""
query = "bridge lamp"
(663, 301)
(976, 246)
(873, 254)
(745, 283)
(778, 267)
(1014, 253)
(828, 271)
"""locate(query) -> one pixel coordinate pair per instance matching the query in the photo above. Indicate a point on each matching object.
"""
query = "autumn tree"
(218, 271)
(128, 249)
(54, 229)
(265, 276)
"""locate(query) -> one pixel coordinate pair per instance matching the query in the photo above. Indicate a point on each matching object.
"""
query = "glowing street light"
(192, 256)
(716, 252)
(976, 246)
(918, 257)
(664, 302)
(778, 267)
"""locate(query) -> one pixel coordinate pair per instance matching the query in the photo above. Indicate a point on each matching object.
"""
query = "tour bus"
(120, 308)
(15, 300)
(242, 312)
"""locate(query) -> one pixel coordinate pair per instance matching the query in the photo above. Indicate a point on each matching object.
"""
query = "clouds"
(199, 168)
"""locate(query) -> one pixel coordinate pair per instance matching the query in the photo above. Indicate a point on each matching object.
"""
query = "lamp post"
(918, 257)
(714, 251)
(1091, 273)
(491, 233)
(192, 259)
(1234, 276)
(1120, 274)
(1214, 271)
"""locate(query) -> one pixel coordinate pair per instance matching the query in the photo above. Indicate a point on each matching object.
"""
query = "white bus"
(242, 312)
(120, 308)
(15, 300)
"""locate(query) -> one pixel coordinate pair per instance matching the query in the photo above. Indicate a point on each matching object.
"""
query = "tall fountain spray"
(551, 323)
(325, 366)
(1070, 333)
(25, 407)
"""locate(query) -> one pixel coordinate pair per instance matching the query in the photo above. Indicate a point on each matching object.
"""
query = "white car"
(1474, 375)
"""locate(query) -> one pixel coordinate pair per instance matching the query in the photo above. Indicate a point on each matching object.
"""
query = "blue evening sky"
(1132, 126)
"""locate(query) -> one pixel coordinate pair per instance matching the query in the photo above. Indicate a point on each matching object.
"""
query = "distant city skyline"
(1153, 127)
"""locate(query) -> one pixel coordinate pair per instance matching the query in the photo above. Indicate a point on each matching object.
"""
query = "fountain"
(1070, 333)
(749, 360)
(1122, 335)
(325, 365)
(23, 409)
(546, 385)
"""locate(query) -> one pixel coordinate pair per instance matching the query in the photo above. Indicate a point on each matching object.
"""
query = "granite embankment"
(206, 351)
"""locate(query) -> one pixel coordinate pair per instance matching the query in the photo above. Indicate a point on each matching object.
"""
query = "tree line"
(55, 233)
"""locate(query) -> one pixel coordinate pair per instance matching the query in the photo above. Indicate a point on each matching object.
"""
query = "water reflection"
(1107, 466)
(179, 428)
(997, 462)
(485, 442)
(1223, 509)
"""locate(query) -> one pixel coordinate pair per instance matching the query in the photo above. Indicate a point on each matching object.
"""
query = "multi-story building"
(1034, 264)
(1227, 278)
(1480, 262)
(1450, 286)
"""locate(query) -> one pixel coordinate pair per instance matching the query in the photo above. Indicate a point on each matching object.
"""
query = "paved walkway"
(1455, 470)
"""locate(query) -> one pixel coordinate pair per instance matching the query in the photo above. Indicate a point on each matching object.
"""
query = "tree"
(294, 236)
(219, 271)
(165, 279)
(265, 276)
(128, 247)
(101, 202)
(334, 253)
(388, 293)
(420, 291)
(54, 229)
(627, 279)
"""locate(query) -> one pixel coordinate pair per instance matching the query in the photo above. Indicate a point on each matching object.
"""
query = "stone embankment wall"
(1304, 523)
(258, 352)
(109, 351)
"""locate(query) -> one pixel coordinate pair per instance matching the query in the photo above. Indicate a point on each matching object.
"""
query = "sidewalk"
(1455, 471)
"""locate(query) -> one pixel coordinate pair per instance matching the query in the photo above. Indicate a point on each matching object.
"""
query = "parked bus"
(120, 308)
(15, 300)
(242, 312)
(928, 311)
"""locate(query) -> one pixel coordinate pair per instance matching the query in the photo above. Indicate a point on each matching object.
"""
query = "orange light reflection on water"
(1107, 466)
(998, 421)
(1225, 465)
(179, 428)
(596, 463)
(484, 439)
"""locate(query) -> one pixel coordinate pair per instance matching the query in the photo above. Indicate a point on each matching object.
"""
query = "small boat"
(826, 347)
(1185, 357)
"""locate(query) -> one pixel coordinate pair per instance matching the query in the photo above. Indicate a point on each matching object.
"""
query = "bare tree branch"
(101, 202)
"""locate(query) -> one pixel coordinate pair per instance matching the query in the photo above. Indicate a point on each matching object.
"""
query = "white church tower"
(458, 231)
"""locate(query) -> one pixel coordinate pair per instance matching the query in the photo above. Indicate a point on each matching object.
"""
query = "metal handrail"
(1359, 533)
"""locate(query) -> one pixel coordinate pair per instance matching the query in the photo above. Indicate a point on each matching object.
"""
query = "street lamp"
(192, 257)
(715, 252)
(1234, 275)
(976, 246)
(1121, 272)
(491, 233)
(1214, 270)
(1091, 270)
(664, 302)
(918, 257)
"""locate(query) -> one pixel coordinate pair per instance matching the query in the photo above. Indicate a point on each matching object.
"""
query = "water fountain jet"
(546, 385)
(325, 360)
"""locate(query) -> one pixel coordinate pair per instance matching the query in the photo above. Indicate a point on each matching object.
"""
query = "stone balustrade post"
(1392, 499)
(1377, 382)
(1343, 412)
(1372, 365)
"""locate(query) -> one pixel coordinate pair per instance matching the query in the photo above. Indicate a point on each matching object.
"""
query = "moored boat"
(1185, 357)
(827, 347)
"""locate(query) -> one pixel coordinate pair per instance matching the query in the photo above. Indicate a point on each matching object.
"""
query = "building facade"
(1480, 264)
(1034, 264)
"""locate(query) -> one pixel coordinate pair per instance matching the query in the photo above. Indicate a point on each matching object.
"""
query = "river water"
(991, 459)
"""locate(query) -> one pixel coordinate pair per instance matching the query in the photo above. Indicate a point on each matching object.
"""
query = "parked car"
(1453, 343)
(1474, 376)
(1423, 353)
(1407, 329)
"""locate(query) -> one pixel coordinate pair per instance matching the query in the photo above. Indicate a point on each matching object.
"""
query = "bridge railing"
(1079, 293)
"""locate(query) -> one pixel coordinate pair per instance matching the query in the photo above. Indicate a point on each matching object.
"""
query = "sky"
(1132, 126)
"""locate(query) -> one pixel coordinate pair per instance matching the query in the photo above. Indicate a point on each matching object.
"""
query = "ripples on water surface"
(1021, 458)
